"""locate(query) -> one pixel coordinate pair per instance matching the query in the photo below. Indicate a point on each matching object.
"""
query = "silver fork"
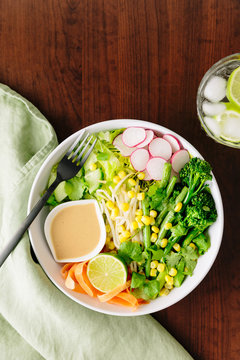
(68, 167)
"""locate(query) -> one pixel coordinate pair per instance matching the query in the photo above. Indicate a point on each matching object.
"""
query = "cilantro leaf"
(156, 254)
(130, 251)
(173, 259)
(190, 257)
(178, 230)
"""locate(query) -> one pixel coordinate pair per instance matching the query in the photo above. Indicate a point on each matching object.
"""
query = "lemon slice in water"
(229, 122)
(233, 87)
(106, 272)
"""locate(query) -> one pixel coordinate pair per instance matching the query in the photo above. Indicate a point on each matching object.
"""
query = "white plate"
(52, 269)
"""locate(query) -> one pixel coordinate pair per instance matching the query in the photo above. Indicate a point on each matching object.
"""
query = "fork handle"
(27, 222)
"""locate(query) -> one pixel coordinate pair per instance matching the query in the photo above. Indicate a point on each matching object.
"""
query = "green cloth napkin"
(37, 321)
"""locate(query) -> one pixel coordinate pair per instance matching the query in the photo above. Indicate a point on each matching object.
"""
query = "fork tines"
(80, 150)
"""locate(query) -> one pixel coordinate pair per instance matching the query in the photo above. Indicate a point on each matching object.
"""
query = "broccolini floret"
(194, 175)
(201, 211)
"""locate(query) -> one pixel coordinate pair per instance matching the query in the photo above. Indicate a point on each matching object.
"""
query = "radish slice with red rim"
(133, 136)
(173, 141)
(149, 137)
(155, 167)
(179, 159)
(160, 148)
(139, 159)
(124, 150)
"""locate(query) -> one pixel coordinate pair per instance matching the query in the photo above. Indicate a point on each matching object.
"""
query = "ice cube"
(212, 109)
(215, 89)
(213, 125)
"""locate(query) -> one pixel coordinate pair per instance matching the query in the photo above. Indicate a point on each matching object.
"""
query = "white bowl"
(55, 211)
(52, 268)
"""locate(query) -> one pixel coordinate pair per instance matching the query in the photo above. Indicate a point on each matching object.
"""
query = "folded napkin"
(37, 321)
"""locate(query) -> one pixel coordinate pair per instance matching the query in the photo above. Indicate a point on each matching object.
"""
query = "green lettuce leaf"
(137, 280)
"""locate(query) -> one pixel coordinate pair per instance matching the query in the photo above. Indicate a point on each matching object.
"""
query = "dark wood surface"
(85, 61)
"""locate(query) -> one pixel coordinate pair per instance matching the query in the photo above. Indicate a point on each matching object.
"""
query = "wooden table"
(85, 61)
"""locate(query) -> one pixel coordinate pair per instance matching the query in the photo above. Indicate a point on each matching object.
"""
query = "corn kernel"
(108, 228)
(141, 175)
(134, 225)
(168, 226)
(155, 229)
(152, 220)
(192, 246)
(169, 279)
(116, 179)
(124, 206)
(121, 228)
(153, 213)
(168, 286)
(122, 238)
(185, 269)
(154, 264)
(111, 245)
(93, 166)
(140, 196)
(110, 205)
(178, 207)
(126, 234)
(153, 272)
(146, 220)
(132, 182)
(153, 237)
(139, 212)
(164, 242)
(177, 247)
(122, 174)
(161, 267)
(173, 272)
(131, 194)
(164, 292)
(138, 218)
(115, 213)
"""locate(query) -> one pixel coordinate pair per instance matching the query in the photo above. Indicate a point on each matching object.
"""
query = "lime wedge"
(106, 272)
(233, 87)
(229, 122)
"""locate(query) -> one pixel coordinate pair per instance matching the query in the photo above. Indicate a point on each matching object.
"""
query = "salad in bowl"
(160, 204)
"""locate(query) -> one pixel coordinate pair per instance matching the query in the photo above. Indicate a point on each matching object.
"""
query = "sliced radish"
(147, 176)
(160, 148)
(155, 167)
(149, 137)
(139, 159)
(173, 141)
(179, 159)
(133, 136)
(124, 150)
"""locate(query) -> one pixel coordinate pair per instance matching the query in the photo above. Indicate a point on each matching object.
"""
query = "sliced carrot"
(129, 298)
(71, 281)
(117, 301)
(79, 276)
(109, 295)
(65, 268)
